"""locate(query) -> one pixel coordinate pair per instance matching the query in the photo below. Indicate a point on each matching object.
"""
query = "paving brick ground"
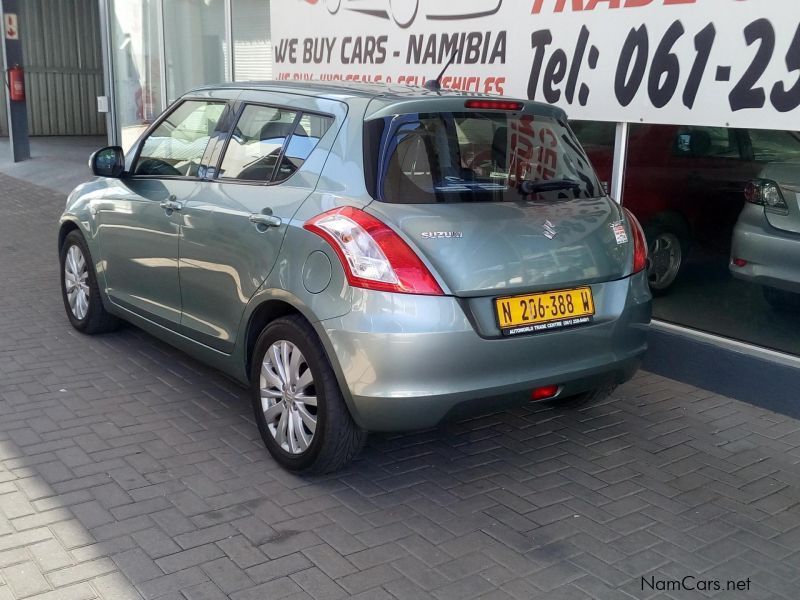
(128, 470)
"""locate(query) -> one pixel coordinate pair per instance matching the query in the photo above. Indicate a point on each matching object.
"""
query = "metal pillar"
(229, 65)
(620, 158)
(12, 55)
(108, 73)
(162, 54)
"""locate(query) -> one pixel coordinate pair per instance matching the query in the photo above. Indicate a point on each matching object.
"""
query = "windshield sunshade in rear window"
(424, 158)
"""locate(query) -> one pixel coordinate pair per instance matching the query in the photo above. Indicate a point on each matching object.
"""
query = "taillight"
(639, 243)
(372, 254)
(765, 193)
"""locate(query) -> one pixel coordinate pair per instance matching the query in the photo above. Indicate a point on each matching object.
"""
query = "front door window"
(176, 146)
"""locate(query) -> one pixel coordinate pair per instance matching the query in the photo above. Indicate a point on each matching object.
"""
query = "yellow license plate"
(545, 311)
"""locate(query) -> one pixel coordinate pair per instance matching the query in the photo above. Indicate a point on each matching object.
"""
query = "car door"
(715, 171)
(234, 229)
(139, 221)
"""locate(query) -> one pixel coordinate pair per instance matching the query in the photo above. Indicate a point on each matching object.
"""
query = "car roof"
(388, 94)
(338, 89)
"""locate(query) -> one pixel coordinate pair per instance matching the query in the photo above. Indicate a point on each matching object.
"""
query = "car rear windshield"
(424, 158)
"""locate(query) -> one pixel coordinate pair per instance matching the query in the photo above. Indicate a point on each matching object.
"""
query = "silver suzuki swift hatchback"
(365, 258)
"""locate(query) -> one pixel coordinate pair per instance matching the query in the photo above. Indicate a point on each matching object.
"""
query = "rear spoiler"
(381, 106)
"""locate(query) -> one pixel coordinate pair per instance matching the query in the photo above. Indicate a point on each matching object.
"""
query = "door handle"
(264, 222)
(170, 205)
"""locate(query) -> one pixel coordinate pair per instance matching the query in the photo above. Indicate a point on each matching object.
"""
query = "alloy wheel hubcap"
(76, 282)
(288, 397)
(665, 260)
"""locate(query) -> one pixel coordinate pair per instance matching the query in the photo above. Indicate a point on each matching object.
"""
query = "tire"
(83, 302)
(284, 415)
(667, 246)
(781, 300)
(594, 396)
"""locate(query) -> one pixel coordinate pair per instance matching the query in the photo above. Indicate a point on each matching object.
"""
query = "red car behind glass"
(685, 184)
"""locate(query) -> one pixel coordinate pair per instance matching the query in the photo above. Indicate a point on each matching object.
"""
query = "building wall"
(63, 66)
(161, 50)
(252, 48)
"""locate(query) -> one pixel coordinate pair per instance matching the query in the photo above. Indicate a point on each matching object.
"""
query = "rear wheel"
(782, 300)
(667, 247)
(79, 288)
(299, 409)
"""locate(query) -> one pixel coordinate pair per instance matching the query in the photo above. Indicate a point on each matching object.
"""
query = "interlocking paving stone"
(25, 579)
(130, 471)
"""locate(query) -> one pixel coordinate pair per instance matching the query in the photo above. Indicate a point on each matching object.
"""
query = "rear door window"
(774, 146)
(257, 143)
(269, 144)
(305, 137)
(711, 142)
(176, 146)
(477, 157)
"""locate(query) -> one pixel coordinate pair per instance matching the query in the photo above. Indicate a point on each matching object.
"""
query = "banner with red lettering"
(693, 62)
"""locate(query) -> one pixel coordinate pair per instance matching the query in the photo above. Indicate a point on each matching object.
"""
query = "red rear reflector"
(494, 104)
(544, 392)
(740, 262)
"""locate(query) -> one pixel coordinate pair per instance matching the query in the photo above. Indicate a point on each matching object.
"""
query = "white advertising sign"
(693, 62)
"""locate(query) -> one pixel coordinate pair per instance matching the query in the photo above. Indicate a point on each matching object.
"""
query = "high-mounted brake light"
(639, 242)
(372, 254)
(494, 105)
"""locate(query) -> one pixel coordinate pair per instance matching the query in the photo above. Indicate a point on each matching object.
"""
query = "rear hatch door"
(511, 247)
(499, 198)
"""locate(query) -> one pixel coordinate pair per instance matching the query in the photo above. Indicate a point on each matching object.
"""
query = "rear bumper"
(772, 255)
(406, 362)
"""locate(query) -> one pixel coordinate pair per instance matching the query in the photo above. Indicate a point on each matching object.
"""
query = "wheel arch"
(263, 315)
(273, 308)
(672, 220)
(67, 225)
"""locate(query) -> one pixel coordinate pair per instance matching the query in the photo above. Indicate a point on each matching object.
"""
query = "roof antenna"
(435, 85)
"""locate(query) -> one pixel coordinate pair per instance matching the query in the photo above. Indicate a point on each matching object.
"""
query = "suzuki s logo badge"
(549, 230)
(441, 235)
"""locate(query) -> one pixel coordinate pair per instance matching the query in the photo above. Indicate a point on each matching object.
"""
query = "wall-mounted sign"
(10, 21)
(693, 62)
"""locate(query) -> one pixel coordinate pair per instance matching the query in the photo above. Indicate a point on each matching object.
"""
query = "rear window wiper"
(531, 186)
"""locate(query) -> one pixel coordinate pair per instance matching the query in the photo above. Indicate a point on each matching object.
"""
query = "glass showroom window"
(136, 66)
(721, 210)
(252, 48)
(195, 48)
(597, 139)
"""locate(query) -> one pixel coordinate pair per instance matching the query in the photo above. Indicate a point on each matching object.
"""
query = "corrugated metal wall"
(252, 49)
(63, 66)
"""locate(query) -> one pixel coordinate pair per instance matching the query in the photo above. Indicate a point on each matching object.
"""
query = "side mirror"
(683, 144)
(108, 162)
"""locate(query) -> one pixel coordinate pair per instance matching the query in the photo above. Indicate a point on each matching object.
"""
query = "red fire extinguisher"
(16, 83)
